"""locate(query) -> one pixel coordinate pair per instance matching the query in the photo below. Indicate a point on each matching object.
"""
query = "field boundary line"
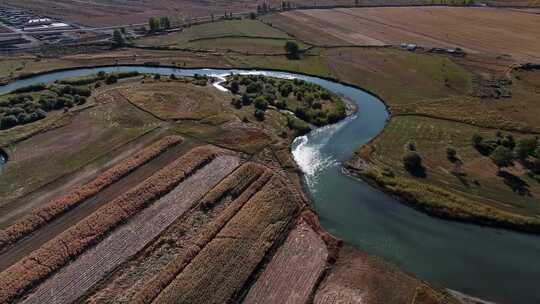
(466, 123)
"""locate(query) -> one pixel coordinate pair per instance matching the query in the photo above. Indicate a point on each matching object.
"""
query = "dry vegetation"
(43, 262)
(77, 278)
(294, 270)
(257, 178)
(501, 31)
(175, 239)
(176, 100)
(42, 215)
(222, 266)
(359, 278)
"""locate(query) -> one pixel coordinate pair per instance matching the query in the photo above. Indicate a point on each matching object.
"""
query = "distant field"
(477, 30)
(237, 35)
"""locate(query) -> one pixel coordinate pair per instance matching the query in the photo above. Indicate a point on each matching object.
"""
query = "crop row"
(77, 278)
(221, 268)
(258, 177)
(41, 216)
(71, 243)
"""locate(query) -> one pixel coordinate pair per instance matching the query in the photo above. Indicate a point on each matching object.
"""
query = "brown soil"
(359, 278)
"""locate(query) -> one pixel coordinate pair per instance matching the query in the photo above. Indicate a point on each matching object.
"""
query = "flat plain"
(477, 30)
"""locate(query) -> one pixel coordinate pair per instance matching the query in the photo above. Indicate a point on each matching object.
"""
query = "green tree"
(261, 103)
(477, 140)
(111, 79)
(502, 157)
(412, 161)
(292, 50)
(154, 24)
(164, 23)
(259, 114)
(8, 122)
(235, 87)
(118, 38)
(451, 154)
(525, 147)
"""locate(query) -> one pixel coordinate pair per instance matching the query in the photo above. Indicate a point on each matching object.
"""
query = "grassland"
(61, 150)
(175, 100)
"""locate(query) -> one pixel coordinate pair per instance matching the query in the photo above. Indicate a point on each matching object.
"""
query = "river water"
(494, 264)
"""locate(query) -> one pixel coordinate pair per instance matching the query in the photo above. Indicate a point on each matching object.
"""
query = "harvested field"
(50, 257)
(359, 278)
(232, 185)
(74, 280)
(40, 216)
(222, 267)
(293, 271)
(36, 239)
(484, 30)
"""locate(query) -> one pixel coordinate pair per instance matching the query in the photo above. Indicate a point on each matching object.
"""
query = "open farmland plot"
(45, 214)
(71, 243)
(293, 271)
(222, 266)
(482, 30)
(142, 279)
(74, 280)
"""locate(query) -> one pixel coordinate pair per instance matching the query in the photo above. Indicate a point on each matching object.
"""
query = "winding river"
(493, 264)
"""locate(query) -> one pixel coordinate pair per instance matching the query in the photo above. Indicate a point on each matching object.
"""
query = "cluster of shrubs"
(19, 109)
(412, 161)
(305, 99)
(53, 255)
(200, 80)
(504, 150)
(23, 108)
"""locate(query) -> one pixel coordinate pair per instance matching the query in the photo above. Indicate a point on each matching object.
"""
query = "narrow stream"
(493, 264)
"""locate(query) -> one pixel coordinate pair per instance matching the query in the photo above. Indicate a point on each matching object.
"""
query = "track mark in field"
(74, 280)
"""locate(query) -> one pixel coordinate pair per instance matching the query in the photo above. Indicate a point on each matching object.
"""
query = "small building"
(38, 22)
